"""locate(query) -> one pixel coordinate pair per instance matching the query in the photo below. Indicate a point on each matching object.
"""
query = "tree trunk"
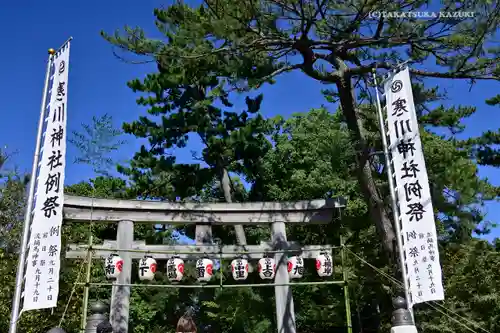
(226, 188)
(373, 198)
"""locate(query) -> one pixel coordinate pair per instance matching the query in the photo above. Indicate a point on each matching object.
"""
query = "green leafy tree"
(96, 142)
(312, 157)
(12, 198)
(471, 282)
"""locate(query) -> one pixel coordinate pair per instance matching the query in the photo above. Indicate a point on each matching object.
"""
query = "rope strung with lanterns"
(204, 268)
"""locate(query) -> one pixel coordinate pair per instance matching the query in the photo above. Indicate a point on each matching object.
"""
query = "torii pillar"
(120, 293)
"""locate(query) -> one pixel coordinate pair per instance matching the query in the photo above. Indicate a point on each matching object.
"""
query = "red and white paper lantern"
(239, 269)
(295, 267)
(324, 264)
(147, 268)
(175, 269)
(204, 269)
(267, 268)
(113, 266)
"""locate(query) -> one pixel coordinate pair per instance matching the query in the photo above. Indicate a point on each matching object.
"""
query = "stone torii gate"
(128, 212)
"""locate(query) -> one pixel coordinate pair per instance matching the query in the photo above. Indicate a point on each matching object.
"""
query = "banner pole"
(16, 302)
(397, 227)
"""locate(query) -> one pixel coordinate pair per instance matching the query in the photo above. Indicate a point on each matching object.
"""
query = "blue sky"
(97, 83)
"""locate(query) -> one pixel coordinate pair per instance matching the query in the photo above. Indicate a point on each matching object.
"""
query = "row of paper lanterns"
(204, 268)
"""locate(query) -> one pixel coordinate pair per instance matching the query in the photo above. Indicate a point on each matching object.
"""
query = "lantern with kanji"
(175, 269)
(295, 267)
(147, 268)
(239, 268)
(113, 266)
(204, 269)
(324, 264)
(267, 268)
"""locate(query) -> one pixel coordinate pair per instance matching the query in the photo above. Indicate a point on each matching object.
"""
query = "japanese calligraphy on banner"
(413, 193)
(41, 286)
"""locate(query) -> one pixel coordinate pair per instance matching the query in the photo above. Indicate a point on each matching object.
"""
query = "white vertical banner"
(41, 286)
(413, 193)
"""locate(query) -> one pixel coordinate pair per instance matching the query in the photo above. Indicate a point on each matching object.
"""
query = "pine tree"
(247, 43)
(183, 107)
